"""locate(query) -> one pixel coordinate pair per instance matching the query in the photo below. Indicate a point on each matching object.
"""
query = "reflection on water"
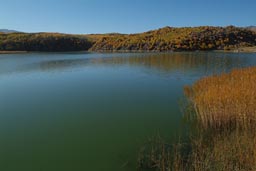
(94, 111)
(165, 62)
(62, 64)
(178, 61)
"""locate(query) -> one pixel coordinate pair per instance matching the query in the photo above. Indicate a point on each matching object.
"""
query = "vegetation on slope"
(43, 42)
(178, 39)
(164, 39)
(222, 115)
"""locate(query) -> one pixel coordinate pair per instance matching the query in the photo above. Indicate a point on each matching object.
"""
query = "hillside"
(179, 39)
(43, 42)
(164, 39)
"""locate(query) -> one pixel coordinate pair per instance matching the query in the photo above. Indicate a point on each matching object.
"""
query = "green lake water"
(92, 111)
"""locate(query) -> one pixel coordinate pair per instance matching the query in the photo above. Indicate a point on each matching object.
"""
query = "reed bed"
(226, 151)
(226, 100)
(216, 152)
(222, 119)
(156, 154)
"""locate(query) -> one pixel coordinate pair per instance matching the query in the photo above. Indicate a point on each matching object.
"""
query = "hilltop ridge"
(163, 39)
(8, 31)
(179, 39)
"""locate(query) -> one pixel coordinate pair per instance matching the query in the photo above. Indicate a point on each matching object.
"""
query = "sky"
(123, 16)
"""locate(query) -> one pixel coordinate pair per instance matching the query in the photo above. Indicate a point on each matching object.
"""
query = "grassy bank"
(222, 119)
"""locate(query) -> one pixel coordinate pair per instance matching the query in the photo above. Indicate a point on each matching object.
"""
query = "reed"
(221, 112)
(224, 113)
(226, 151)
(226, 100)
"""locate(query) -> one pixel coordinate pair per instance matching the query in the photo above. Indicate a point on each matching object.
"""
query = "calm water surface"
(93, 112)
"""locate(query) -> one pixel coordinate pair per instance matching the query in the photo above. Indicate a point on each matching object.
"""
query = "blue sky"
(105, 16)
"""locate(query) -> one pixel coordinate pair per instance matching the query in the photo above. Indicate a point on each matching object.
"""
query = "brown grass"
(227, 100)
(227, 151)
(223, 129)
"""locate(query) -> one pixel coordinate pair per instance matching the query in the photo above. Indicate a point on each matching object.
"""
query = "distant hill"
(179, 39)
(8, 31)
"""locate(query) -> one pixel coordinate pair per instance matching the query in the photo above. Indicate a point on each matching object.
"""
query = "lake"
(93, 111)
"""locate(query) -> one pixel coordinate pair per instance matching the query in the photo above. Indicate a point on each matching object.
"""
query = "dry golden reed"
(226, 100)
(228, 151)
(223, 108)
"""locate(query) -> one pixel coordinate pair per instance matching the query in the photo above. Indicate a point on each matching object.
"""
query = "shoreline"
(247, 49)
(237, 50)
(13, 52)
